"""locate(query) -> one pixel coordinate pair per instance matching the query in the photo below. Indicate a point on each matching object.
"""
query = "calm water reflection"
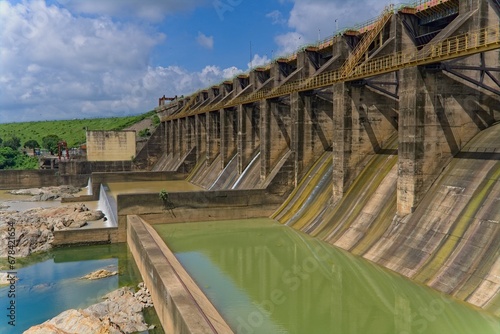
(267, 278)
(51, 284)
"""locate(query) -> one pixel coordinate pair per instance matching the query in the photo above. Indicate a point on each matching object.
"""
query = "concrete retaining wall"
(180, 304)
(198, 206)
(19, 179)
(152, 150)
(86, 236)
(89, 167)
(110, 145)
(103, 178)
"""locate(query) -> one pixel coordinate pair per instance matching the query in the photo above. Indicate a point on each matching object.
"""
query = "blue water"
(54, 285)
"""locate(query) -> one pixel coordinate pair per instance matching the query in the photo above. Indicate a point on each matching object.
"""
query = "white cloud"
(289, 42)
(276, 17)
(258, 61)
(146, 9)
(205, 41)
(55, 65)
(312, 20)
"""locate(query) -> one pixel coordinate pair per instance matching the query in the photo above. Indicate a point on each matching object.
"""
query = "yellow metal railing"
(473, 42)
(424, 4)
(366, 41)
(189, 104)
(457, 46)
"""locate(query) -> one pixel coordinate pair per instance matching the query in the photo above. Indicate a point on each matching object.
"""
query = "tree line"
(12, 157)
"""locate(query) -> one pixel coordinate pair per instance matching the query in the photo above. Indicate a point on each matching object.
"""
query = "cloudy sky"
(65, 59)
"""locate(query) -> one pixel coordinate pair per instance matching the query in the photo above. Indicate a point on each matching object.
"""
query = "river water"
(264, 277)
(50, 283)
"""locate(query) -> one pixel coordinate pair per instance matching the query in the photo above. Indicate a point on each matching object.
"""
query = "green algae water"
(264, 277)
(49, 283)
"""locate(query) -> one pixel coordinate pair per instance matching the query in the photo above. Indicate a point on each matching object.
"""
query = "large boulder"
(99, 274)
(120, 312)
(34, 229)
(73, 321)
(47, 193)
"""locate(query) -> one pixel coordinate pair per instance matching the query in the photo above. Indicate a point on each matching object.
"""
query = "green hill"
(72, 131)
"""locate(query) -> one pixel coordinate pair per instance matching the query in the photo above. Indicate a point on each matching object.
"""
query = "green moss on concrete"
(449, 243)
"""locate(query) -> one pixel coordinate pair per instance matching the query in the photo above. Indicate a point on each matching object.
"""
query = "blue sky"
(65, 59)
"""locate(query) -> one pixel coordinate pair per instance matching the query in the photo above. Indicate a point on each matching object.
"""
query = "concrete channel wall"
(104, 178)
(180, 304)
(19, 179)
(86, 237)
(197, 206)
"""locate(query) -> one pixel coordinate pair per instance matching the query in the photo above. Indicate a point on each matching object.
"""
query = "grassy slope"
(72, 131)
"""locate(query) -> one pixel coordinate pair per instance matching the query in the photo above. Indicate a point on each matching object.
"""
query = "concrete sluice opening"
(264, 277)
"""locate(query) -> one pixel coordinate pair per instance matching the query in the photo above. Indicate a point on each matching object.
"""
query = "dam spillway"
(435, 97)
(382, 140)
(362, 129)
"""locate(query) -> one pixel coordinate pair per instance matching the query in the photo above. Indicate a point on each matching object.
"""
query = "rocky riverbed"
(47, 193)
(120, 312)
(33, 230)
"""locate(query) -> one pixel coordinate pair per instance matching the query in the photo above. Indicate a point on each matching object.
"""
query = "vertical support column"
(191, 132)
(275, 137)
(167, 137)
(224, 123)
(428, 135)
(342, 139)
(163, 135)
(242, 132)
(228, 135)
(297, 114)
(265, 137)
(189, 137)
(182, 136)
(411, 140)
(213, 136)
(201, 135)
(174, 135)
(248, 134)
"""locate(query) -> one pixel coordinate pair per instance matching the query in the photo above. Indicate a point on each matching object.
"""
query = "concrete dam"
(382, 140)
(350, 187)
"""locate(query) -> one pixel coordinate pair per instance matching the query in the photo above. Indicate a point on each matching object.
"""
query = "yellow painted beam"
(472, 42)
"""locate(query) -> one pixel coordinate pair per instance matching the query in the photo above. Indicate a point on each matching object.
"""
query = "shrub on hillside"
(14, 143)
(50, 143)
(7, 157)
(144, 133)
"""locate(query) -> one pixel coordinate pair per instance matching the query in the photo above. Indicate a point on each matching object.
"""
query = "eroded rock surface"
(120, 312)
(99, 274)
(32, 231)
(47, 193)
